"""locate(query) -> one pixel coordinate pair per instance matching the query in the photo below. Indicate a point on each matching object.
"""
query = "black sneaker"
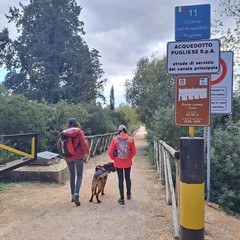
(121, 201)
(76, 200)
(128, 197)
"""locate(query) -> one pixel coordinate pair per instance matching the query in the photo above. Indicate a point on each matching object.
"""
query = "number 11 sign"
(192, 22)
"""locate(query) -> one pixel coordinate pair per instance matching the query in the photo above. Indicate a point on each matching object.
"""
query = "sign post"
(192, 109)
(192, 106)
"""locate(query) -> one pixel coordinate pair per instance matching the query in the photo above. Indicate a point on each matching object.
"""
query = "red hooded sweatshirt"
(122, 163)
(79, 142)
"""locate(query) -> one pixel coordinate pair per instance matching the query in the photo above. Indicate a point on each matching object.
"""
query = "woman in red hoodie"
(122, 149)
(75, 162)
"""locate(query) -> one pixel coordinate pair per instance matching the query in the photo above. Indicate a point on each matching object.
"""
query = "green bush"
(225, 167)
(19, 115)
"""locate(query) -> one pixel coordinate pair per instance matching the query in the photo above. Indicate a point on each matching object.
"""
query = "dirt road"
(37, 211)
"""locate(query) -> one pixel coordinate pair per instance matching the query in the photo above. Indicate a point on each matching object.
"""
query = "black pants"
(126, 172)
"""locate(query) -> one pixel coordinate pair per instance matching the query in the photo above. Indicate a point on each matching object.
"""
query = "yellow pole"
(191, 132)
(191, 189)
(16, 151)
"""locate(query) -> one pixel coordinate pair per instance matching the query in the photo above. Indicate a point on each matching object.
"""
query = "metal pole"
(191, 132)
(208, 162)
(191, 188)
(205, 139)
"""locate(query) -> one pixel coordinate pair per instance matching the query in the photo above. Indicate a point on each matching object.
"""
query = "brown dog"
(100, 179)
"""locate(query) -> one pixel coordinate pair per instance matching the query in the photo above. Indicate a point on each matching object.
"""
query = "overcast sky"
(123, 31)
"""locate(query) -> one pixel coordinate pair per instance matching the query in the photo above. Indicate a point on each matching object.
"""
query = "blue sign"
(192, 22)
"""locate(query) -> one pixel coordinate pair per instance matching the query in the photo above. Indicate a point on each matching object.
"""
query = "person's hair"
(124, 130)
(72, 122)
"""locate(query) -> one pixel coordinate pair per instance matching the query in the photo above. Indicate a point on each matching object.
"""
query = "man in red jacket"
(122, 149)
(75, 162)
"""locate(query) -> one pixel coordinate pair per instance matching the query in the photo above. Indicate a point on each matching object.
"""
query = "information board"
(192, 100)
(193, 57)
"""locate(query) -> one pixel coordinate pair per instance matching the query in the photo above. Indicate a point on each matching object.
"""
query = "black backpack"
(66, 146)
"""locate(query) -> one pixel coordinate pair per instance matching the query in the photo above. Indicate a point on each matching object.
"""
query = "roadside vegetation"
(19, 115)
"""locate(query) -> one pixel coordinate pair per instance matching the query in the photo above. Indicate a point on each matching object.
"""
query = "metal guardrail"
(163, 154)
(32, 156)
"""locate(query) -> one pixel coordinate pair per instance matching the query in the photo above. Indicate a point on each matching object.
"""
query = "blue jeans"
(75, 166)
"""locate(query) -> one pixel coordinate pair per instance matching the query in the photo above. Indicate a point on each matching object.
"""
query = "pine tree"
(112, 99)
(51, 61)
(5, 46)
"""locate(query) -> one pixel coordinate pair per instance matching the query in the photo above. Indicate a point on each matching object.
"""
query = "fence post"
(161, 163)
(156, 154)
(167, 187)
(173, 197)
(191, 188)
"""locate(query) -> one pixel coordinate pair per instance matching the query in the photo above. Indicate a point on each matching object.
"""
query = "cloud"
(125, 31)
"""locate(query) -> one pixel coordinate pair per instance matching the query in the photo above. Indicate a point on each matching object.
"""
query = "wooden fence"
(166, 158)
(100, 143)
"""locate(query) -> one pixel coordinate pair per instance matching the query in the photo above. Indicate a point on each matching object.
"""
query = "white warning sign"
(222, 85)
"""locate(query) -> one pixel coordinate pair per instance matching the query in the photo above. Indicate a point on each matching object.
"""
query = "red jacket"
(79, 142)
(122, 163)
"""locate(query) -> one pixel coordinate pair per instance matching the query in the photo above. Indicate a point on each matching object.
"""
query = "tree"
(5, 46)
(231, 8)
(130, 115)
(150, 88)
(112, 99)
(50, 60)
(3, 91)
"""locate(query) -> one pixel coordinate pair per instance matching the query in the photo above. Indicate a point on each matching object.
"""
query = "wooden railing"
(164, 156)
(100, 143)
